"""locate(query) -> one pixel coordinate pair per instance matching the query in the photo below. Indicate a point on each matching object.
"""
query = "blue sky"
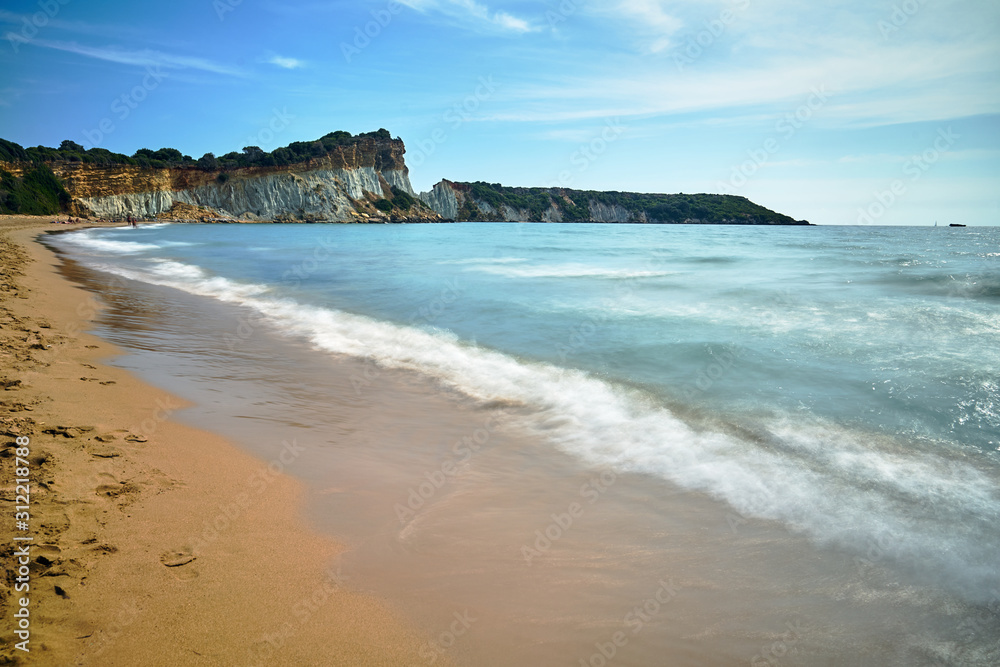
(839, 112)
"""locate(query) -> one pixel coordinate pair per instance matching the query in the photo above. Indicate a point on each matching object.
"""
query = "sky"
(873, 112)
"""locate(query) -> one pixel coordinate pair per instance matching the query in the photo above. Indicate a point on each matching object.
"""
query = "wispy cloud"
(284, 62)
(140, 58)
(19, 22)
(651, 20)
(868, 84)
(473, 14)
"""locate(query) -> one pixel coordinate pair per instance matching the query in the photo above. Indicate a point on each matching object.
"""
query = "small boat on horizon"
(955, 224)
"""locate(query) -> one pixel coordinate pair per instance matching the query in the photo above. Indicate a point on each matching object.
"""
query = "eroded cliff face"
(455, 201)
(341, 186)
(495, 203)
(443, 198)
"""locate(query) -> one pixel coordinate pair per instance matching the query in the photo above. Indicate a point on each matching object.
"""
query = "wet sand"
(154, 543)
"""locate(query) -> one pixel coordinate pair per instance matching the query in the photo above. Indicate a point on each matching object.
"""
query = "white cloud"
(284, 62)
(867, 85)
(140, 58)
(473, 13)
(651, 21)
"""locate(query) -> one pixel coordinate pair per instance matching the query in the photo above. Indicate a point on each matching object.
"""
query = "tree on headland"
(252, 153)
(575, 205)
(208, 162)
(71, 146)
(295, 153)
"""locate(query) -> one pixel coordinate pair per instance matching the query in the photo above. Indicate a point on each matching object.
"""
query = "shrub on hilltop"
(251, 156)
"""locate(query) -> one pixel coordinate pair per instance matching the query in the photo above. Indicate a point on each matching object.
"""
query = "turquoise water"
(841, 382)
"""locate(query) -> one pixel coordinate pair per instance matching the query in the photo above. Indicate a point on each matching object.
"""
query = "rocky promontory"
(339, 177)
(492, 202)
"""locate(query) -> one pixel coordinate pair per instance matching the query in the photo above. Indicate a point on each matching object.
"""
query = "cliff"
(364, 180)
(491, 202)
(339, 177)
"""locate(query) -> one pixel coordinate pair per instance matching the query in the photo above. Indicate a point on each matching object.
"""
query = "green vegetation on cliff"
(36, 192)
(251, 156)
(580, 205)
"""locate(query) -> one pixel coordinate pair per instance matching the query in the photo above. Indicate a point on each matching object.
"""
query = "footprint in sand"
(102, 451)
(110, 487)
(47, 554)
(68, 431)
(178, 561)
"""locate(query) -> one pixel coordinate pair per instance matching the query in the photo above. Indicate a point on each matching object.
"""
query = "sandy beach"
(153, 543)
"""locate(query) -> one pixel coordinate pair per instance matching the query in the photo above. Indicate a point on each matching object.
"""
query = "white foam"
(89, 243)
(191, 279)
(923, 513)
(566, 271)
(485, 260)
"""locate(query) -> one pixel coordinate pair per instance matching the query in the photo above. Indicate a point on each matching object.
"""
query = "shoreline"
(141, 523)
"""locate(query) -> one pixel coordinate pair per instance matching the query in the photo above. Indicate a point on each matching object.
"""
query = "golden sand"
(154, 543)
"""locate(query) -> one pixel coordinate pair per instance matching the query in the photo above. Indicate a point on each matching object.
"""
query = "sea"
(603, 444)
